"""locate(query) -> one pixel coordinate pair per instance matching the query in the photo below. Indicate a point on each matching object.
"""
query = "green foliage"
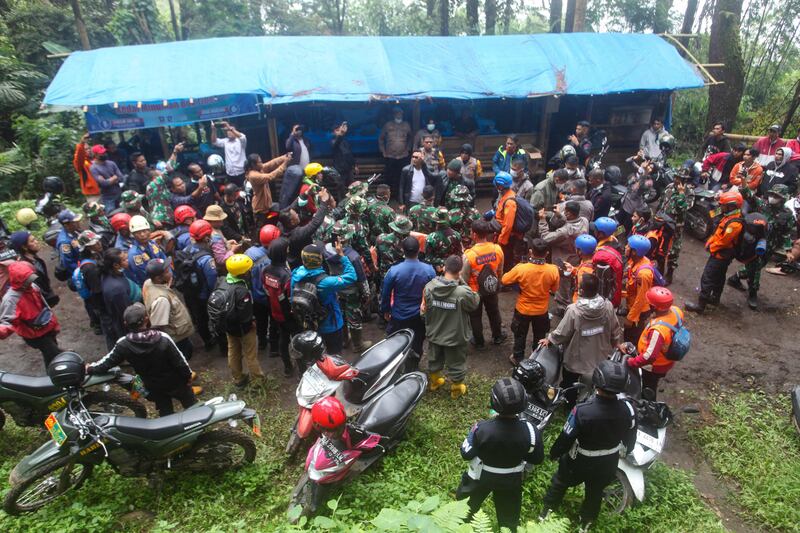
(751, 442)
(137, 22)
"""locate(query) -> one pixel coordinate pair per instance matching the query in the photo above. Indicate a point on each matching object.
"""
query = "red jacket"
(24, 311)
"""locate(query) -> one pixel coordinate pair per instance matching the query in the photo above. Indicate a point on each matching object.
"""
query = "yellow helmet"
(312, 169)
(238, 264)
(26, 216)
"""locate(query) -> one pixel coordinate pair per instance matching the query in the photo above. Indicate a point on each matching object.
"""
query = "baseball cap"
(68, 216)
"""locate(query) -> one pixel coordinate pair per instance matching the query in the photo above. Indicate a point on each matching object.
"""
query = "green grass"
(8, 211)
(752, 443)
(426, 464)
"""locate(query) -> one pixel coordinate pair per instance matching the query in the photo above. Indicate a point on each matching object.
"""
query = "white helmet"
(138, 223)
(216, 164)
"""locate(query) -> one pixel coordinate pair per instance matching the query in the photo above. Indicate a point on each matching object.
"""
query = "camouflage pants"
(351, 308)
(675, 251)
(751, 272)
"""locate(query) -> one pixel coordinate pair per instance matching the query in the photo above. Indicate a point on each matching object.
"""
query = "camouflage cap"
(87, 238)
(460, 193)
(130, 197)
(442, 216)
(455, 217)
(356, 205)
(780, 190)
(357, 188)
(401, 225)
(344, 231)
(93, 209)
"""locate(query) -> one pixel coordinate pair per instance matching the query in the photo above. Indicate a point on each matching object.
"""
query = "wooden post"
(549, 106)
(272, 134)
(162, 138)
(415, 117)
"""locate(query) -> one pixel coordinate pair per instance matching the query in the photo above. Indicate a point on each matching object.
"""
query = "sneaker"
(197, 390)
(242, 383)
(501, 339)
(481, 346)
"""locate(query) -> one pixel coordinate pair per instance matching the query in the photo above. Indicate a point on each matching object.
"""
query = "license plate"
(55, 429)
(537, 412)
(257, 425)
(648, 441)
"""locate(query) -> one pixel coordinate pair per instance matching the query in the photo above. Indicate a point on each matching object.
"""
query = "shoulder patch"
(137, 260)
(66, 248)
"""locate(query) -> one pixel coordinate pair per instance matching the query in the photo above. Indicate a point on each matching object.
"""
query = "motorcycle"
(81, 440)
(596, 161)
(796, 407)
(702, 213)
(651, 436)
(378, 429)
(29, 400)
(354, 385)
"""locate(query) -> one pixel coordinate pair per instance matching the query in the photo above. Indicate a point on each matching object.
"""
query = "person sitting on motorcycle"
(498, 450)
(656, 338)
(588, 447)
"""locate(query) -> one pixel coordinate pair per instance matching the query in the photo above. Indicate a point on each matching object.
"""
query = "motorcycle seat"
(166, 426)
(383, 413)
(34, 386)
(375, 358)
(550, 359)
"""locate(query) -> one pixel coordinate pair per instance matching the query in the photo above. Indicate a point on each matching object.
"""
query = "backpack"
(187, 277)
(488, 282)
(221, 304)
(78, 283)
(305, 300)
(754, 231)
(523, 220)
(277, 290)
(658, 279)
(681, 339)
(608, 268)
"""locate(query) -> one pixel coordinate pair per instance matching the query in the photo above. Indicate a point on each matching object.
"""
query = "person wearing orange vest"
(721, 247)
(585, 245)
(482, 255)
(506, 213)
(639, 280)
(656, 338)
(82, 161)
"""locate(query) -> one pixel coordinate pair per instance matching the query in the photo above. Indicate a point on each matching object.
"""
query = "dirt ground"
(732, 348)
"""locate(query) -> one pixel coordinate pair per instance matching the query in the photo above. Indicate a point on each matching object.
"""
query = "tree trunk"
(183, 18)
(444, 17)
(472, 18)
(661, 18)
(569, 19)
(430, 6)
(579, 22)
(688, 23)
(555, 16)
(174, 20)
(787, 120)
(490, 11)
(508, 8)
(80, 26)
(724, 47)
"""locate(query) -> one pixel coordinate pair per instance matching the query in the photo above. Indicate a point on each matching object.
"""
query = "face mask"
(514, 174)
(398, 120)
(571, 171)
(774, 201)
(431, 127)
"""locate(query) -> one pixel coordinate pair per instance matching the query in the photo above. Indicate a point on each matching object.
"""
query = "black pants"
(47, 344)
(567, 380)
(489, 303)
(238, 179)
(632, 334)
(334, 342)
(391, 174)
(596, 473)
(415, 324)
(107, 327)
(198, 309)
(186, 347)
(259, 220)
(510, 255)
(163, 400)
(519, 327)
(286, 330)
(94, 320)
(507, 501)
(650, 381)
(713, 279)
(266, 328)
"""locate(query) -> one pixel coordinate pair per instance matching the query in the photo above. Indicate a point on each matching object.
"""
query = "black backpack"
(488, 282)
(754, 230)
(187, 277)
(523, 219)
(305, 300)
(221, 304)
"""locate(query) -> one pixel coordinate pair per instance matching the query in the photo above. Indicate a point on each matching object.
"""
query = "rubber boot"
(359, 344)
(346, 336)
(735, 282)
(197, 390)
(288, 369)
(698, 307)
(457, 389)
(435, 380)
(752, 300)
(669, 274)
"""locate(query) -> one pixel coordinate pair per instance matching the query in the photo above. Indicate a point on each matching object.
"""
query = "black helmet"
(308, 345)
(530, 373)
(613, 174)
(53, 185)
(610, 376)
(508, 397)
(67, 370)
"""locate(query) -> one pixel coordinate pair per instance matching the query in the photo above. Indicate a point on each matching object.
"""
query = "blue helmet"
(503, 179)
(639, 244)
(586, 244)
(606, 225)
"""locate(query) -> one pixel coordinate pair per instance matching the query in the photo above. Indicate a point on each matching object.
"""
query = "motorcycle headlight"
(551, 393)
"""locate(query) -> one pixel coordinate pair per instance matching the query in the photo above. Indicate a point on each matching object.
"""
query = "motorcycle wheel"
(303, 496)
(699, 224)
(218, 451)
(45, 485)
(115, 403)
(618, 496)
(2, 419)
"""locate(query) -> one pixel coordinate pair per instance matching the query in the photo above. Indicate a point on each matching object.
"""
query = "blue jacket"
(258, 253)
(207, 267)
(182, 237)
(68, 252)
(406, 280)
(123, 243)
(501, 162)
(327, 289)
(138, 256)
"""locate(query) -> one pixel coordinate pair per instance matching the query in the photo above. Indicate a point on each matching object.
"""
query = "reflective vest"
(484, 253)
(659, 362)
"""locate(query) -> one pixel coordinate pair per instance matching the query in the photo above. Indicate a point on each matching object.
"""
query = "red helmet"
(660, 298)
(268, 234)
(200, 229)
(731, 197)
(328, 413)
(120, 220)
(183, 212)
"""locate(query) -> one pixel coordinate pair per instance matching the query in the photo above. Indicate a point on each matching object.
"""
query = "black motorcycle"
(702, 214)
(796, 407)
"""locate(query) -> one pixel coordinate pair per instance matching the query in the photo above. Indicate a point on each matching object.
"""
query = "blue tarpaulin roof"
(297, 69)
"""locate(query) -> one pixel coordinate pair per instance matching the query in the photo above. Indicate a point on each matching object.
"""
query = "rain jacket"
(326, 290)
(562, 240)
(24, 311)
(447, 307)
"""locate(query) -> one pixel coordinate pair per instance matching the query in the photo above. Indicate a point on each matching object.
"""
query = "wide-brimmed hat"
(215, 213)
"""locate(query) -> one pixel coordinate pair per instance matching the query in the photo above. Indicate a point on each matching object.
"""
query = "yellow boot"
(435, 380)
(457, 389)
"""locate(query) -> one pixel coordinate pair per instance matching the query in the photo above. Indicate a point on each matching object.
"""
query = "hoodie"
(327, 288)
(589, 332)
(153, 355)
(562, 240)
(447, 305)
(25, 311)
(784, 173)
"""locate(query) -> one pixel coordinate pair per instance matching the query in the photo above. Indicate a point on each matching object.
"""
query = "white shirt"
(417, 184)
(235, 155)
(304, 157)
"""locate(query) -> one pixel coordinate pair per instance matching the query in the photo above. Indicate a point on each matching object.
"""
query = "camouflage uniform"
(781, 224)
(352, 296)
(355, 189)
(324, 232)
(463, 215)
(421, 216)
(449, 199)
(379, 215)
(443, 242)
(674, 204)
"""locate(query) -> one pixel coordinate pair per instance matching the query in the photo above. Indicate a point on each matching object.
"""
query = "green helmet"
(442, 216)
(460, 194)
(455, 217)
(780, 190)
(345, 232)
(356, 205)
(401, 225)
(130, 197)
(357, 188)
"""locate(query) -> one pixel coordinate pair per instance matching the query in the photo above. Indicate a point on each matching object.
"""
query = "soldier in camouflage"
(674, 204)
(379, 214)
(354, 215)
(355, 189)
(353, 296)
(389, 251)
(781, 224)
(421, 215)
(325, 231)
(443, 242)
(462, 200)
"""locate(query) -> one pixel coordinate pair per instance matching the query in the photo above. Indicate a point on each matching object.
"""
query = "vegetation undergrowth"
(408, 487)
(752, 442)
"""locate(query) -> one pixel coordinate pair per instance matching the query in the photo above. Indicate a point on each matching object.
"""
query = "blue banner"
(131, 116)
